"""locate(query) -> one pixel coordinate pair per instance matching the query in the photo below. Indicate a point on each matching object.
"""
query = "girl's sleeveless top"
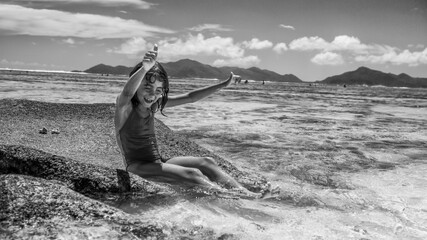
(138, 138)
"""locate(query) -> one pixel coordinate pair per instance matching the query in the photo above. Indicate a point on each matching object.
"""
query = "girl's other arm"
(198, 94)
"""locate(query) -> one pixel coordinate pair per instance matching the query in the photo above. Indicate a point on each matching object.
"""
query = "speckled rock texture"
(87, 135)
(81, 177)
(68, 185)
(34, 207)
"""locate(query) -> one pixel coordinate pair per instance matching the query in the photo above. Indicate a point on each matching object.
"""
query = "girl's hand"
(150, 59)
(233, 78)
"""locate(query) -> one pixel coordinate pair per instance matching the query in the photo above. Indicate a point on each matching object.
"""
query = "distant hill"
(106, 69)
(187, 68)
(370, 77)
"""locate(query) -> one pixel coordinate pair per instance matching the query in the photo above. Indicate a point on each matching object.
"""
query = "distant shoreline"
(41, 70)
(359, 78)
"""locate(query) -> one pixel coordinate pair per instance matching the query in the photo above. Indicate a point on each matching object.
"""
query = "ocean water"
(350, 161)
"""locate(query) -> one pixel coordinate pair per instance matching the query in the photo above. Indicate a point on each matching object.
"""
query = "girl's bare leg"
(201, 171)
(208, 167)
(171, 172)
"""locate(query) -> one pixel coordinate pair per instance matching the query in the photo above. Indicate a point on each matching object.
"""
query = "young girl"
(145, 93)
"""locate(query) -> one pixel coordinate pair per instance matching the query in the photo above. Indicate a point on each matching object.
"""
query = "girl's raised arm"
(200, 93)
(135, 80)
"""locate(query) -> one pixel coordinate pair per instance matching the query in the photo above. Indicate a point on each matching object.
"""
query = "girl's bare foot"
(269, 192)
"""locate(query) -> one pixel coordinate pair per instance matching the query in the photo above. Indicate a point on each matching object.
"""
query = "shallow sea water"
(296, 135)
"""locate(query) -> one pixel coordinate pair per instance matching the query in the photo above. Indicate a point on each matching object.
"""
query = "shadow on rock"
(34, 207)
(50, 196)
(84, 178)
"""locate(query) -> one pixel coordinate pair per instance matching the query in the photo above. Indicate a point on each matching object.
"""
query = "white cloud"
(107, 3)
(134, 47)
(19, 20)
(353, 48)
(328, 58)
(280, 48)
(395, 58)
(308, 44)
(210, 27)
(287, 26)
(347, 43)
(340, 43)
(243, 62)
(194, 45)
(255, 43)
(174, 48)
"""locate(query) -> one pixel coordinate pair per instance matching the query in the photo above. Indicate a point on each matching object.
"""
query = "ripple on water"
(413, 111)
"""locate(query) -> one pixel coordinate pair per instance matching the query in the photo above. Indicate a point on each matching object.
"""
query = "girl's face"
(150, 90)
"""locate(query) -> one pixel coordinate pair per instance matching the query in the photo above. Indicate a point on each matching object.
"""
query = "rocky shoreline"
(69, 185)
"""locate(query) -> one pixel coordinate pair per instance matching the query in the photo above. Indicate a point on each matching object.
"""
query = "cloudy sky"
(311, 39)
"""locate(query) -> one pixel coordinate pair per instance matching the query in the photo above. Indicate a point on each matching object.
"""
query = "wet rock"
(80, 177)
(87, 135)
(32, 207)
(67, 199)
(51, 196)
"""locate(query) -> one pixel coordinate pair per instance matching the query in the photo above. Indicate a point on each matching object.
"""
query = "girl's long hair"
(160, 104)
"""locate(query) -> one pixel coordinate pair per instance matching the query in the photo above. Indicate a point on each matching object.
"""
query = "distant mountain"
(260, 74)
(105, 69)
(366, 76)
(187, 68)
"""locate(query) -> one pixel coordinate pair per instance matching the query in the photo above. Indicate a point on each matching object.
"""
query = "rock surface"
(34, 207)
(81, 177)
(87, 135)
(45, 194)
